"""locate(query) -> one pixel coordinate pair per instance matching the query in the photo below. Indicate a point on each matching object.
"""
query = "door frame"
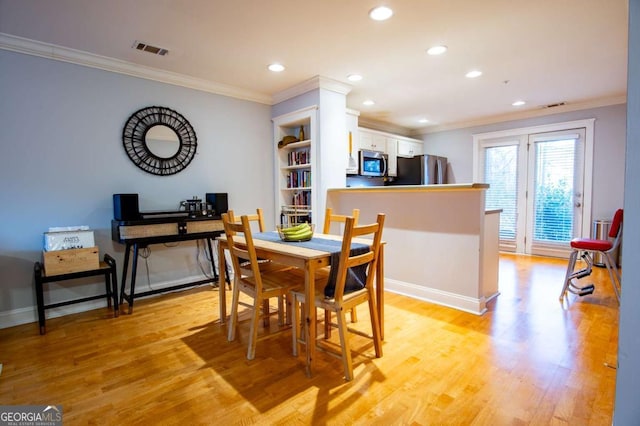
(587, 124)
(554, 249)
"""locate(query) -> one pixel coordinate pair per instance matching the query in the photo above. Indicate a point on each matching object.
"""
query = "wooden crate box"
(73, 260)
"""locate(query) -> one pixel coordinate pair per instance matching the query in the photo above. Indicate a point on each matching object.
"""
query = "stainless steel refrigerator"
(421, 170)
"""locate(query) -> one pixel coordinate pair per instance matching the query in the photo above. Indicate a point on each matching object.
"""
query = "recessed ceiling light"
(437, 50)
(354, 77)
(276, 67)
(368, 102)
(473, 74)
(518, 103)
(380, 13)
(423, 120)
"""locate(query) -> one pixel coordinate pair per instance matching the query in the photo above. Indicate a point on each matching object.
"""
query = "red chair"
(588, 246)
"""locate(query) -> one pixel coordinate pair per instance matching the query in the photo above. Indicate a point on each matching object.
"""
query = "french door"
(538, 180)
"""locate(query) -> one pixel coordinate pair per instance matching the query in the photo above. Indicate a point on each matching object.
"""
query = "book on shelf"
(301, 199)
(297, 158)
(299, 179)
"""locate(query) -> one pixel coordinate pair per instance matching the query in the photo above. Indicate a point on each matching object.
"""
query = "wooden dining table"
(309, 260)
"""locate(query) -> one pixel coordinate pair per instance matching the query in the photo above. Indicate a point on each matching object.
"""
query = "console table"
(158, 230)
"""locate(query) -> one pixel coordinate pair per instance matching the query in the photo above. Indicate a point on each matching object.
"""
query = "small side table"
(106, 268)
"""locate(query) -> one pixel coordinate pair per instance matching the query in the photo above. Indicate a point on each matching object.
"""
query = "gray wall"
(62, 159)
(609, 151)
(627, 409)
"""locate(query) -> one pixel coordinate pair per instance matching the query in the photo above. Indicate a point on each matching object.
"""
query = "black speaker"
(125, 207)
(219, 202)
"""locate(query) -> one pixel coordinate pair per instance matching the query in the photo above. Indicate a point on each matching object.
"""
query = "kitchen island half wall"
(441, 244)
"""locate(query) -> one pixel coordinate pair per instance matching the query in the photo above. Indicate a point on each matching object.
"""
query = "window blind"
(501, 173)
(553, 188)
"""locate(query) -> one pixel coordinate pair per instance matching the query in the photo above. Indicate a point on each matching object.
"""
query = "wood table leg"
(310, 330)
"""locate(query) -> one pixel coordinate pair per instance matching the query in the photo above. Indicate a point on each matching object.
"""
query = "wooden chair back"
(240, 254)
(330, 218)
(264, 280)
(370, 257)
(258, 218)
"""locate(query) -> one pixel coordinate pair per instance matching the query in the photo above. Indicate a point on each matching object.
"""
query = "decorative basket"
(296, 232)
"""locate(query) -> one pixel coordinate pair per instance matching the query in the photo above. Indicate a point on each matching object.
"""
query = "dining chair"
(343, 299)
(258, 285)
(332, 219)
(588, 246)
(265, 265)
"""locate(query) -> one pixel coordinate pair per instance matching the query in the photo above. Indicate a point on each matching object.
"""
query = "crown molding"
(383, 126)
(78, 57)
(51, 51)
(314, 83)
(521, 115)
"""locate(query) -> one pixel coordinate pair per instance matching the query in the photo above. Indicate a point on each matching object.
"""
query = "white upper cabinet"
(392, 159)
(409, 148)
(372, 141)
(393, 145)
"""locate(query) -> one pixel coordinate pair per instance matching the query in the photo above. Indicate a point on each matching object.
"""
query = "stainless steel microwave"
(372, 163)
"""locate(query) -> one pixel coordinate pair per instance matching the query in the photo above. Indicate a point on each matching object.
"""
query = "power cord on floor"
(202, 248)
(145, 253)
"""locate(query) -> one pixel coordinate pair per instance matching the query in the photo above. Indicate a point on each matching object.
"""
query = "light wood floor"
(529, 360)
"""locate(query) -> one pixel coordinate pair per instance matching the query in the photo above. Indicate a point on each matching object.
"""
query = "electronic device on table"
(126, 207)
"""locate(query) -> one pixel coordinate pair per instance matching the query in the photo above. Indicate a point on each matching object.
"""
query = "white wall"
(627, 409)
(62, 159)
(609, 151)
(333, 146)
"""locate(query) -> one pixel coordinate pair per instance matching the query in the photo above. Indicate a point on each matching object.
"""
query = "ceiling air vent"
(139, 45)
(554, 105)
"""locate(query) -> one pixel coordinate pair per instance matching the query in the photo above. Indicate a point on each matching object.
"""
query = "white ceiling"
(540, 51)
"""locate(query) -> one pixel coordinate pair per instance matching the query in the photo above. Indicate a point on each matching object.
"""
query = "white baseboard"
(29, 314)
(439, 297)
(18, 316)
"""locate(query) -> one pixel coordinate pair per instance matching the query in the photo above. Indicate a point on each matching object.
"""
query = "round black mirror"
(159, 140)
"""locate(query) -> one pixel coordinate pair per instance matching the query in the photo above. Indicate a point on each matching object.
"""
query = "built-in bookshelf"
(295, 166)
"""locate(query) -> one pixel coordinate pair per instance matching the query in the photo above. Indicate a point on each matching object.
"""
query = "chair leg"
(344, 342)
(253, 331)
(281, 319)
(581, 273)
(288, 306)
(327, 324)
(295, 323)
(265, 312)
(354, 315)
(611, 266)
(233, 321)
(375, 324)
(568, 276)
